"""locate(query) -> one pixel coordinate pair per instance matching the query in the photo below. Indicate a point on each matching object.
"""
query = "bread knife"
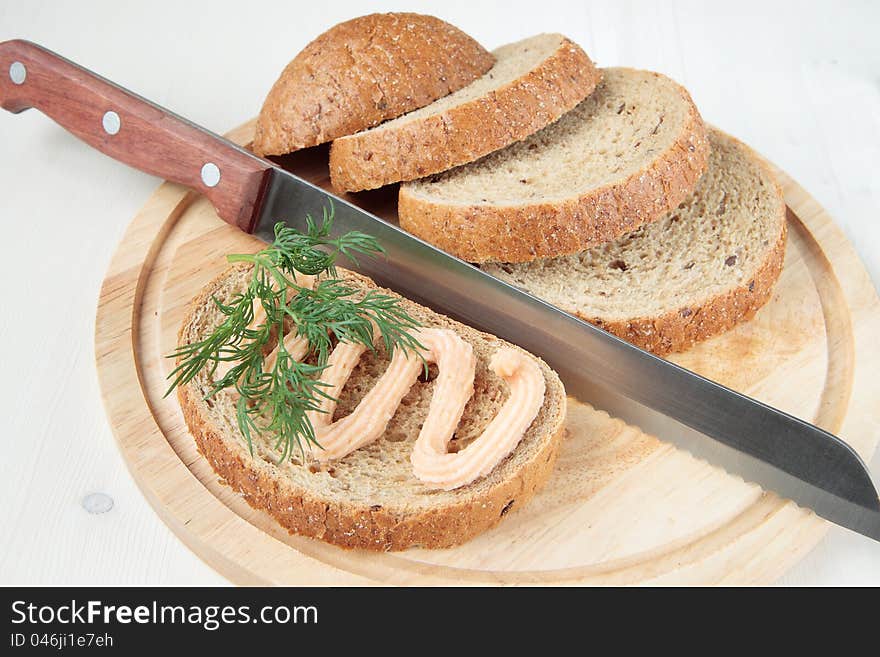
(780, 452)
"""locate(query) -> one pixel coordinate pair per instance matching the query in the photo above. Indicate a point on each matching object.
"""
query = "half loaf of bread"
(362, 72)
(698, 271)
(370, 498)
(533, 83)
(630, 152)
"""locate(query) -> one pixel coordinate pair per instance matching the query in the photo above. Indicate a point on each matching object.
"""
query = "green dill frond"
(276, 402)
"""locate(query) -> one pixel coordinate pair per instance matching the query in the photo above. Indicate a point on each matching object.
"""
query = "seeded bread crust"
(362, 72)
(488, 232)
(466, 132)
(301, 509)
(705, 314)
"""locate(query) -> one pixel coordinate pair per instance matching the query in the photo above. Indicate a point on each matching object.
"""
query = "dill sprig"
(276, 401)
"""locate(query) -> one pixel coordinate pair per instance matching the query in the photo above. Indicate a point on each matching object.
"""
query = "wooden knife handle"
(133, 130)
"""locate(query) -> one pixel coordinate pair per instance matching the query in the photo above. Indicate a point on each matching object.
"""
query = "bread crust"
(362, 72)
(354, 525)
(522, 233)
(466, 132)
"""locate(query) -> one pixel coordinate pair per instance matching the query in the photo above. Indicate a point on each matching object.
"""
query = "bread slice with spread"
(630, 152)
(362, 72)
(402, 488)
(704, 267)
(532, 84)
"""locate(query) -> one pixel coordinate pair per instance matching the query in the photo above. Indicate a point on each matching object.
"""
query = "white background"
(799, 81)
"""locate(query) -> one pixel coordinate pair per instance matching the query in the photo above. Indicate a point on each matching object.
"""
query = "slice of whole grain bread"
(705, 266)
(533, 83)
(630, 152)
(370, 498)
(362, 72)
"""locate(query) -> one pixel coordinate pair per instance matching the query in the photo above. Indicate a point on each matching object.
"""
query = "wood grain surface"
(622, 507)
(801, 88)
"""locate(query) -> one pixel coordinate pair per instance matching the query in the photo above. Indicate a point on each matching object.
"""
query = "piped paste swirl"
(432, 463)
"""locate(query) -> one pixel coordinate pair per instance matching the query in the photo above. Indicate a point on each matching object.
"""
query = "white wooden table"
(798, 81)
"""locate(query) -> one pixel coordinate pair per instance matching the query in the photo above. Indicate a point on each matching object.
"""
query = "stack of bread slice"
(599, 190)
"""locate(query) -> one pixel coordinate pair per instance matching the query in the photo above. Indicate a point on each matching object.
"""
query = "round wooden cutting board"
(621, 507)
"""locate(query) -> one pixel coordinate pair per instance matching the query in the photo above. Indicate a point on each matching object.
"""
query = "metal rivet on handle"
(210, 174)
(97, 503)
(111, 122)
(17, 73)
